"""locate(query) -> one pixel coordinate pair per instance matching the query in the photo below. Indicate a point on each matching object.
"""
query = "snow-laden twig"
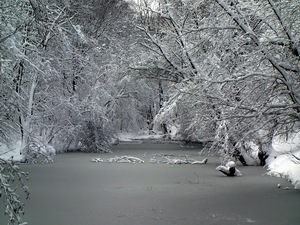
(294, 158)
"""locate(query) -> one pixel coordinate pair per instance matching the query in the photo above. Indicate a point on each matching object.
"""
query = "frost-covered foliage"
(11, 182)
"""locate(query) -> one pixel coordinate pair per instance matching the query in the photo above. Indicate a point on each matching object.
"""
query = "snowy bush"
(94, 137)
(39, 152)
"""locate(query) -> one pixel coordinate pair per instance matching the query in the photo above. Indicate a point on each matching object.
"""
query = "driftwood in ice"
(157, 158)
(121, 159)
(173, 159)
(229, 169)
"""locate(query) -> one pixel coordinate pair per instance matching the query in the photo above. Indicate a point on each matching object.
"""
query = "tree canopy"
(73, 73)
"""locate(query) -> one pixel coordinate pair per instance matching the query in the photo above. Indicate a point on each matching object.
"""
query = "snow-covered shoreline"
(283, 162)
(137, 137)
(143, 137)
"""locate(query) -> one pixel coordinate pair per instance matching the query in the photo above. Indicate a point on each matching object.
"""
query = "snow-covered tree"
(263, 96)
(44, 55)
(65, 69)
(240, 66)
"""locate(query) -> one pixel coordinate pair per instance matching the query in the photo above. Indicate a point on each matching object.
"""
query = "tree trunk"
(27, 119)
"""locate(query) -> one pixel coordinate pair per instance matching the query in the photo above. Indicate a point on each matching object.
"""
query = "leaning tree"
(234, 65)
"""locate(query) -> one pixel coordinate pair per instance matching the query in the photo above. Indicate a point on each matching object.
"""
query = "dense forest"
(75, 73)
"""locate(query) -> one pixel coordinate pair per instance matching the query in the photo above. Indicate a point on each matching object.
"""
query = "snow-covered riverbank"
(284, 160)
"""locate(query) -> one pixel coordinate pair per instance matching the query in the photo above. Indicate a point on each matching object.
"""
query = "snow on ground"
(141, 136)
(283, 160)
(38, 150)
(6, 152)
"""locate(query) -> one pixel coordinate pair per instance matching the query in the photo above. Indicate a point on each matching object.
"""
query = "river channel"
(75, 191)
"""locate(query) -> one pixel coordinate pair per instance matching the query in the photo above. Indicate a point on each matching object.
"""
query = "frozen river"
(75, 191)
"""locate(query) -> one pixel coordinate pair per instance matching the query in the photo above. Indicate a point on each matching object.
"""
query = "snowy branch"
(14, 208)
(294, 43)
